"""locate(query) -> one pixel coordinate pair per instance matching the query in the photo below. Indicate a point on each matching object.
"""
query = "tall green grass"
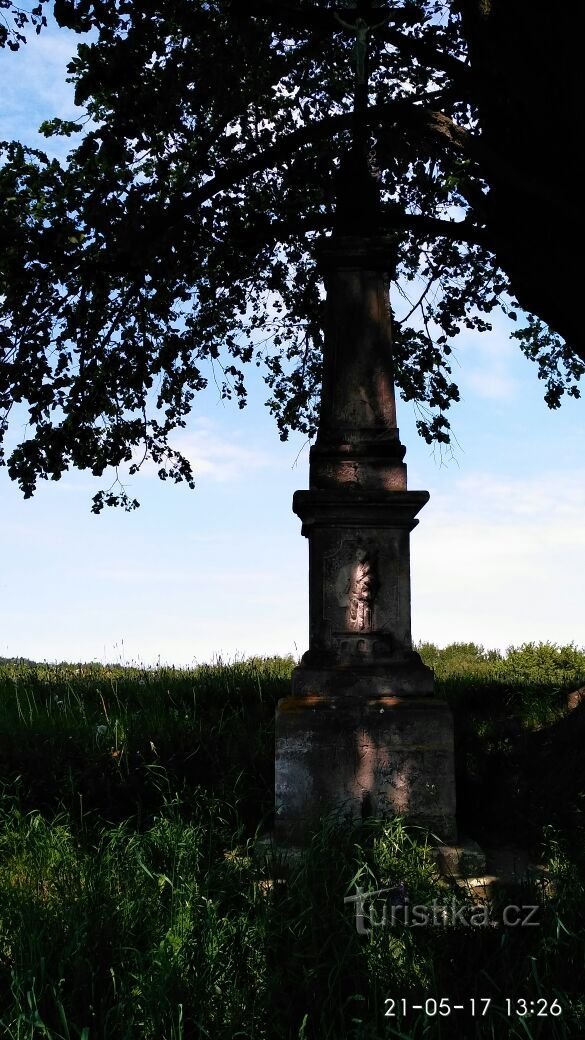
(135, 901)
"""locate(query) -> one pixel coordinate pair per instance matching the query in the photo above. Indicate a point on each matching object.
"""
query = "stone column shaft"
(358, 445)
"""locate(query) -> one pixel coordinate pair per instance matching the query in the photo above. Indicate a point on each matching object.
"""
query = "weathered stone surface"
(466, 859)
(575, 698)
(396, 678)
(359, 578)
(358, 446)
(364, 756)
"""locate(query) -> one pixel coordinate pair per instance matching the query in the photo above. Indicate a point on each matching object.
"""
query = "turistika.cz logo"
(388, 907)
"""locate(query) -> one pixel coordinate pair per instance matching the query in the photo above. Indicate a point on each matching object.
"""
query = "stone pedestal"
(364, 756)
(359, 584)
(362, 732)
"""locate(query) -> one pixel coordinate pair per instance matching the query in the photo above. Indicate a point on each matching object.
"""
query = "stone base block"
(364, 756)
(398, 676)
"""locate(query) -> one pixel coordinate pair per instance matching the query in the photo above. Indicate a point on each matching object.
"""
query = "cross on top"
(357, 208)
(362, 28)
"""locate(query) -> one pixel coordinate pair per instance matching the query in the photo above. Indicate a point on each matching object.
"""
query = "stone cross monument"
(362, 731)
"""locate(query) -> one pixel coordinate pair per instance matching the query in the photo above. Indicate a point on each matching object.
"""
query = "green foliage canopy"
(176, 241)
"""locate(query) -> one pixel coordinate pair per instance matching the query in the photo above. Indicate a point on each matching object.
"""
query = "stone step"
(499, 869)
(482, 875)
(465, 859)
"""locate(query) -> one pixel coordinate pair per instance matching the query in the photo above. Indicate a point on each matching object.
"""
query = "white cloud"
(488, 361)
(505, 564)
(34, 88)
(213, 456)
(550, 495)
(495, 385)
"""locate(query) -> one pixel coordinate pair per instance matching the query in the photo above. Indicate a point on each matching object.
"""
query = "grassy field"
(132, 905)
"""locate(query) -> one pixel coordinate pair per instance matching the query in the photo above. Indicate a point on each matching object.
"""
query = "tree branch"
(314, 18)
(400, 117)
(392, 219)
(391, 114)
(427, 54)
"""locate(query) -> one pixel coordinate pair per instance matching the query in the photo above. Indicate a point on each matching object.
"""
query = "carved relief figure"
(361, 590)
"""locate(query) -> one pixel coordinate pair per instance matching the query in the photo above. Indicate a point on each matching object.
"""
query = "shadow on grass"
(131, 904)
(181, 931)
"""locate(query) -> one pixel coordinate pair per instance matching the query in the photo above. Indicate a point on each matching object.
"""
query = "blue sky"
(498, 556)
